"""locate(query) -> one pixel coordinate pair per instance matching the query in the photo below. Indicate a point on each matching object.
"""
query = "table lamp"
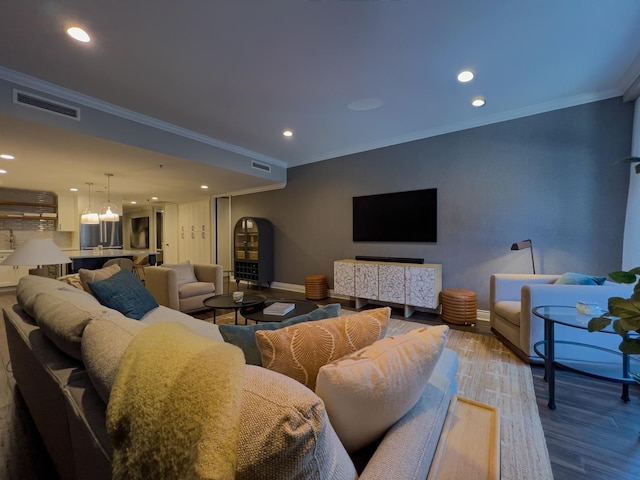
(521, 246)
(37, 251)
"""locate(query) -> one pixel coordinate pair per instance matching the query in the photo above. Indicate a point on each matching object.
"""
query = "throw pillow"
(368, 391)
(571, 278)
(125, 293)
(299, 351)
(87, 276)
(285, 432)
(104, 341)
(244, 336)
(185, 272)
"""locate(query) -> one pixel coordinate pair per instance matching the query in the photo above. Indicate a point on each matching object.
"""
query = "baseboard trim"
(481, 315)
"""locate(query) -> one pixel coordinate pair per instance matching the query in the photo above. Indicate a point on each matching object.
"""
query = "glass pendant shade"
(109, 211)
(88, 217)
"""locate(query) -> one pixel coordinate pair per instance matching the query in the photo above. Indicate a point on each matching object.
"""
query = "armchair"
(184, 286)
(512, 296)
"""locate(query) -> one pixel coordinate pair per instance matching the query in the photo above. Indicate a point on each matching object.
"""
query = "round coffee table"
(226, 301)
(255, 313)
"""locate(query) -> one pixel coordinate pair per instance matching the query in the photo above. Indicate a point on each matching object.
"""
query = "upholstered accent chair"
(183, 286)
(513, 296)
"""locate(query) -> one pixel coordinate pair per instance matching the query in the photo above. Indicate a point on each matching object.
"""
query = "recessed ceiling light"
(478, 102)
(73, 189)
(365, 104)
(6, 156)
(133, 202)
(287, 133)
(465, 76)
(3, 171)
(204, 187)
(78, 34)
(154, 198)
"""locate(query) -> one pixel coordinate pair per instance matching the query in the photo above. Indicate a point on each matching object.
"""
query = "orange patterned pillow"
(298, 351)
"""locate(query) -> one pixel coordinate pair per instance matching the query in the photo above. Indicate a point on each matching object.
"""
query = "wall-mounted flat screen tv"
(396, 217)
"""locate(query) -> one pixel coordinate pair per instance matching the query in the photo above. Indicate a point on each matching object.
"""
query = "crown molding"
(630, 81)
(85, 100)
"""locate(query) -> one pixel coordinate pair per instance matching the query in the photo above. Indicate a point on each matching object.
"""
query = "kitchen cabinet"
(68, 218)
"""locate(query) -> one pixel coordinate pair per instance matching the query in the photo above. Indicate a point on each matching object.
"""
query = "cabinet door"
(391, 283)
(344, 279)
(420, 287)
(367, 280)
(68, 218)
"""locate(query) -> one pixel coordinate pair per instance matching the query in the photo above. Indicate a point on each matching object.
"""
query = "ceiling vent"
(41, 103)
(261, 166)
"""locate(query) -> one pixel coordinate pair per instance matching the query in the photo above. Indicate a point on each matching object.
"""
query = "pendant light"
(88, 217)
(109, 212)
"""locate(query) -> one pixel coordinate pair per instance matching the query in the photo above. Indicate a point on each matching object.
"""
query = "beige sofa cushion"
(299, 351)
(63, 315)
(285, 432)
(89, 276)
(509, 310)
(103, 343)
(368, 391)
(194, 289)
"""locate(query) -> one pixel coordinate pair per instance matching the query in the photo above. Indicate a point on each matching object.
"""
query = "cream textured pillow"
(298, 351)
(285, 432)
(89, 276)
(185, 272)
(368, 391)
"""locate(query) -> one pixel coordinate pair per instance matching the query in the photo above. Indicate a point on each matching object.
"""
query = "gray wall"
(549, 177)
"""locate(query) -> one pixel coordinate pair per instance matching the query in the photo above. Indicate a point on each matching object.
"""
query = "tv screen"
(396, 217)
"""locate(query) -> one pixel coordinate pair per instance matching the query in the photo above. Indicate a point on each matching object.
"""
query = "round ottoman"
(458, 306)
(315, 287)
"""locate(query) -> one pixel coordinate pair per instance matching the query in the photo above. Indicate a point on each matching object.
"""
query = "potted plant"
(624, 313)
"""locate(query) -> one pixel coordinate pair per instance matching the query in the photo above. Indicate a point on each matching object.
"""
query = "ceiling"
(238, 72)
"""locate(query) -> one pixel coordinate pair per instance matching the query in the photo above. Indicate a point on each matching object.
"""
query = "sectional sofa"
(65, 349)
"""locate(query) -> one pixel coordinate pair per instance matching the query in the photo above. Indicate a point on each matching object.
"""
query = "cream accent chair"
(184, 286)
(512, 296)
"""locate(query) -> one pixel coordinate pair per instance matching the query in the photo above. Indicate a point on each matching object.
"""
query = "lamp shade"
(37, 251)
(523, 244)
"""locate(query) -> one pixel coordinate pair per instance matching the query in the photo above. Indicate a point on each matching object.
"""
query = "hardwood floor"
(591, 435)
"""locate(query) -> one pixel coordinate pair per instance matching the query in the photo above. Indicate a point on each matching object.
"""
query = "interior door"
(170, 234)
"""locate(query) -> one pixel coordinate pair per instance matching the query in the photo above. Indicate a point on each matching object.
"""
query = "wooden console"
(408, 284)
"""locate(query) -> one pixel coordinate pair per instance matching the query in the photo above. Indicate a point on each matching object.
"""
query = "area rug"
(492, 374)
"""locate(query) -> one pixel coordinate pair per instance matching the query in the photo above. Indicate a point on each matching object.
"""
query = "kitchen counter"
(94, 259)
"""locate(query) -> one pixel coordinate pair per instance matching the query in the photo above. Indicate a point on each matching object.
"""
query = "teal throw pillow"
(125, 293)
(244, 336)
(571, 278)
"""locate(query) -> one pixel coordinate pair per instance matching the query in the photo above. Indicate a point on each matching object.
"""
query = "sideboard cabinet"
(409, 284)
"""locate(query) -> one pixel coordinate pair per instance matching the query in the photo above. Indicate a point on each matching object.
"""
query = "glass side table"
(611, 366)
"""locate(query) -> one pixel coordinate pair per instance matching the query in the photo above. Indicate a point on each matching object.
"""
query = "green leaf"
(623, 277)
(630, 324)
(630, 346)
(619, 329)
(598, 323)
(635, 271)
(624, 307)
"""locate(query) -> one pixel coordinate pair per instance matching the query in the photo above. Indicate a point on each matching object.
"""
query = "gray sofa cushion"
(63, 316)
(104, 341)
(31, 285)
(244, 336)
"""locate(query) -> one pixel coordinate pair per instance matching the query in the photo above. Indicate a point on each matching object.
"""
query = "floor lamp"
(521, 246)
(38, 252)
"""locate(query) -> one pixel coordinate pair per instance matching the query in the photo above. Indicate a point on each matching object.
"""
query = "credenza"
(409, 284)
